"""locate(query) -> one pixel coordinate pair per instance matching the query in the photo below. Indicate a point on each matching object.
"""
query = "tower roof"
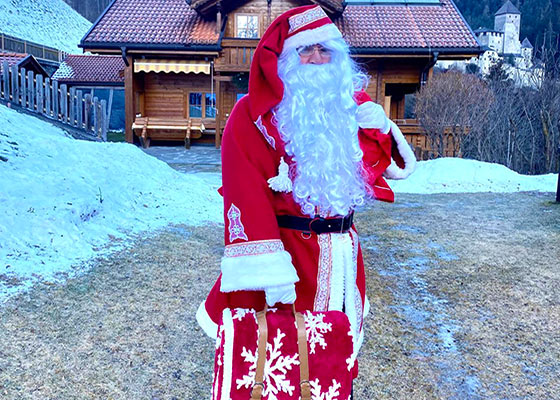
(508, 8)
(526, 43)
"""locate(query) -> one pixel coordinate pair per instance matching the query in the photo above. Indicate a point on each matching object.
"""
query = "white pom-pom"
(282, 181)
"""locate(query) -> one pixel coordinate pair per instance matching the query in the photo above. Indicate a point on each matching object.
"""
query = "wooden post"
(63, 103)
(129, 100)
(15, 86)
(6, 80)
(48, 97)
(79, 108)
(30, 90)
(104, 124)
(219, 109)
(95, 116)
(55, 99)
(23, 88)
(109, 108)
(40, 93)
(72, 106)
(87, 112)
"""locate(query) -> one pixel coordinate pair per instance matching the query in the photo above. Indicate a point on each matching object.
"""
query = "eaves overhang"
(404, 51)
(149, 46)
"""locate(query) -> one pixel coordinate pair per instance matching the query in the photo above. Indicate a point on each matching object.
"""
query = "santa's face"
(314, 54)
(317, 121)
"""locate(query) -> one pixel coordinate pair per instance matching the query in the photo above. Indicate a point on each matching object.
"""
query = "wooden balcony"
(236, 55)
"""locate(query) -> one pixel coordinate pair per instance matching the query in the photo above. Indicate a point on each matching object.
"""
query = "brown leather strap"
(305, 387)
(258, 387)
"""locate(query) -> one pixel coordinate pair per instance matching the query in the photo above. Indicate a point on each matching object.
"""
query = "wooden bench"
(167, 128)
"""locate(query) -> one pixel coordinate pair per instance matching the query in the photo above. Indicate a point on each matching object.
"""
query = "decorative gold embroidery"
(254, 248)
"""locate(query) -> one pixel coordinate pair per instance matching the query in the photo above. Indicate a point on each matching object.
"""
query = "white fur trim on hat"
(393, 171)
(312, 36)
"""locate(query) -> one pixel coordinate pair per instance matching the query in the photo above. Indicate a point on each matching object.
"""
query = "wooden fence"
(42, 96)
(13, 44)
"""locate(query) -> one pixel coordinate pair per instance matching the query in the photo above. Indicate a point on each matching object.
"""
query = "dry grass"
(483, 267)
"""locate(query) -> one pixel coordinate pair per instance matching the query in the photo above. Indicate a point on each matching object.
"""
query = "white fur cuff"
(371, 115)
(312, 36)
(257, 272)
(393, 171)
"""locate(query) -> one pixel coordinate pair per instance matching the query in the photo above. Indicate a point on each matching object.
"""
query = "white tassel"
(281, 182)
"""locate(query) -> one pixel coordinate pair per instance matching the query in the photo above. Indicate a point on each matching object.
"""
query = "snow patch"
(62, 201)
(458, 175)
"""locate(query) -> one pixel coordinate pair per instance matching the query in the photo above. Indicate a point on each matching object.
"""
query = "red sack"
(328, 351)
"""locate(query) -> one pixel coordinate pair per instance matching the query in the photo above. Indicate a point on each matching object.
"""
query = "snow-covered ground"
(457, 175)
(64, 201)
(48, 22)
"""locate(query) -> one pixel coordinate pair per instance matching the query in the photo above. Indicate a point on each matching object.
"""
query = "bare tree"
(451, 107)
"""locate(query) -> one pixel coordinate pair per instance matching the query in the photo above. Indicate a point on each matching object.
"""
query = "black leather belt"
(317, 224)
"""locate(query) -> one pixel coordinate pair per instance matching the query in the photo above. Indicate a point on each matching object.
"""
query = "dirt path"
(464, 291)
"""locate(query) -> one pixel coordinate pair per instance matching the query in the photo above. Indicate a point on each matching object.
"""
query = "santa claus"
(300, 152)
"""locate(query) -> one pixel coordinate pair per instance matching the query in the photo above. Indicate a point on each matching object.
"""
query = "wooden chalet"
(187, 63)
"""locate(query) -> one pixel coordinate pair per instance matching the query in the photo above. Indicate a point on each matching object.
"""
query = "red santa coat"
(328, 267)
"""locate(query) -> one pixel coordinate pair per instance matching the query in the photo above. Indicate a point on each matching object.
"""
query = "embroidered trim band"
(253, 248)
(307, 17)
(324, 277)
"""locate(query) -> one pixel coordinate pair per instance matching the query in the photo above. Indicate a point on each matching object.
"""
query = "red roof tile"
(12, 58)
(90, 69)
(152, 22)
(398, 26)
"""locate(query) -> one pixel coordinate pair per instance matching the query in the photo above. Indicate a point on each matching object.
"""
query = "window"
(210, 105)
(198, 109)
(247, 26)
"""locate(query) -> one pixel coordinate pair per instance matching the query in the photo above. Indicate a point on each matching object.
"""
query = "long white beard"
(317, 121)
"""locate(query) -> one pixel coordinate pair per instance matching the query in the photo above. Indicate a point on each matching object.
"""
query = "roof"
(90, 69)
(526, 43)
(379, 27)
(11, 58)
(428, 27)
(508, 8)
(22, 60)
(159, 22)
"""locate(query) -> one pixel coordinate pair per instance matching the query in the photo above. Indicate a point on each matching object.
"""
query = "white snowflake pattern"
(275, 370)
(352, 359)
(316, 327)
(239, 313)
(318, 394)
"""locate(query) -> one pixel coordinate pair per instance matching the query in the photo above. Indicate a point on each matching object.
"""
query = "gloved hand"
(284, 294)
(371, 115)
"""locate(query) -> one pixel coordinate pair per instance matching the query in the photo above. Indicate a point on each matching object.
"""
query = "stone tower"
(508, 20)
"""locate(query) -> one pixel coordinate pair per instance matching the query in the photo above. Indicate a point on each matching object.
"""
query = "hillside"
(51, 23)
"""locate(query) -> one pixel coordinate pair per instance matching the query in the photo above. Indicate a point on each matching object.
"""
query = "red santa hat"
(301, 26)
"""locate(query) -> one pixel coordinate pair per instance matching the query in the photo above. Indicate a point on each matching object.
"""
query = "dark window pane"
(195, 105)
(210, 103)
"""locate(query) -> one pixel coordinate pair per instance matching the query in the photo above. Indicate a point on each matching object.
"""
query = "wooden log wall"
(22, 89)
(166, 95)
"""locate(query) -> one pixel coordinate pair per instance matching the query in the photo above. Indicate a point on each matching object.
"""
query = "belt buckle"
(316, 220)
